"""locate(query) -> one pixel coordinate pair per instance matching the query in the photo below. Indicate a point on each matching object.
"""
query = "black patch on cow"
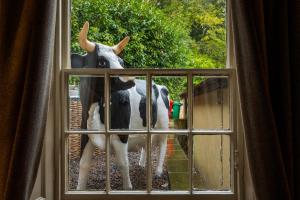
(121, 62)
(155, 95)
(101, 110)
(164, 95)
(116, 84)
(123, 138)
(142, 109)
(120, 111)
(141, 90)
(102, 62)
(155, 91)
(77, 61)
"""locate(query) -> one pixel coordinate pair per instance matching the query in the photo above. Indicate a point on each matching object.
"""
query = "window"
(201, 135)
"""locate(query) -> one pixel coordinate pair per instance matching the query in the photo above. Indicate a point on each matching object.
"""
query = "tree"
(164, 33)
(156, 40)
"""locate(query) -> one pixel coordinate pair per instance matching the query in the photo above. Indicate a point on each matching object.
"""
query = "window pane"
(136, 163)
(210, 103)
(211, 162)
(86, 95)
(87, 169)
(167, 94)
(174, 172)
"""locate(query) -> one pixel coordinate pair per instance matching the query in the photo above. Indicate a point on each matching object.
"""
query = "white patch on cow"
(84, 165)
(108, 53)
(136, 122)
(162, 112)
(94, 123)
(143, 159)
(162, 123)
(121, 150)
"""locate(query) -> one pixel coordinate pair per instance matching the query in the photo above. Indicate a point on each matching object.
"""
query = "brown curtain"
(26, 42)
(267, 48)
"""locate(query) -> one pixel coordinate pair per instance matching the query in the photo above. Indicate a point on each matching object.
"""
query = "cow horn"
(121, 45)
(83, 41)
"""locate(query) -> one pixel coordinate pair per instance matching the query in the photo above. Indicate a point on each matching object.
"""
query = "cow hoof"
(128, 187)
(80, 187)
(142, 164)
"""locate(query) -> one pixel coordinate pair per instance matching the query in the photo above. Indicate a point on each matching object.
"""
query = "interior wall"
(44, 185)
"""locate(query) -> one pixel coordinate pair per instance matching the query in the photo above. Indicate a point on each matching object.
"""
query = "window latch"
(236, 159)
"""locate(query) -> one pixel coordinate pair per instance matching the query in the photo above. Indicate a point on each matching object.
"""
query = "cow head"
(98, 56)
(102, 56)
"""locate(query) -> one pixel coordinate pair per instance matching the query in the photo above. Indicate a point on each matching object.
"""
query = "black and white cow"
(128, 108)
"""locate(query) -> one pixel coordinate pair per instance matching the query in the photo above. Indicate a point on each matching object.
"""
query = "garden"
(169, 34)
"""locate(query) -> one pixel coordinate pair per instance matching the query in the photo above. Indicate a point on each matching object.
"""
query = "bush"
(156, 40)
(170, 35)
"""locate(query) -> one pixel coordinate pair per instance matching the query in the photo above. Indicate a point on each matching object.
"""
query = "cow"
(127, 105)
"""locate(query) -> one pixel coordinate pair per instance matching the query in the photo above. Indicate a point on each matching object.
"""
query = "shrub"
(156, 40)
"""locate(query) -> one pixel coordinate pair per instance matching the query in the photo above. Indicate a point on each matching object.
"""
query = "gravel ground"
(97, 175)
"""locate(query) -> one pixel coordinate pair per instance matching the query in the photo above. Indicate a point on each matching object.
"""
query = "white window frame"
(62, 66)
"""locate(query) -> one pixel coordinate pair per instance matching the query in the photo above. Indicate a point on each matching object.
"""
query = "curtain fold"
(266, 37)
(26, 43)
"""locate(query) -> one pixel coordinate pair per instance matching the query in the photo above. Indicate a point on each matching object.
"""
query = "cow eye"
(103, 62)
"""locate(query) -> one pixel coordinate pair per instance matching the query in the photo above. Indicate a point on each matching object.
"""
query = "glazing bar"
(190, 128)
(152, 71)
(148, 124)
(107, 122)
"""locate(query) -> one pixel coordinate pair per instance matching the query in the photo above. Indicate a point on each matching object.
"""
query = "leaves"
(163, 33)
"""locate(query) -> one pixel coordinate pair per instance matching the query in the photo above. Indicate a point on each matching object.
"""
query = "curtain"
(267, 52)
(26, 43)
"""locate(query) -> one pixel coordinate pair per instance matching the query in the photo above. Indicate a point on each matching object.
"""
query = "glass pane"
(136, 163)
(170, 172)
(167, 97)
(86, 106)
(211, 102)
(211, 162)
(128, 102)
(87, 162)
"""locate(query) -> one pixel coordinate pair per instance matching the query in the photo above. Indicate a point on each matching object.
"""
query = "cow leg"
(143, 158)
(162, 153)
(121, 150)
(84, 165)
(163, 123)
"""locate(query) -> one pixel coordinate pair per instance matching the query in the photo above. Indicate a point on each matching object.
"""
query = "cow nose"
(126, 78)
(103, 62)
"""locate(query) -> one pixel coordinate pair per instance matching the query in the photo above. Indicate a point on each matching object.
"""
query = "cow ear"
(77, 61)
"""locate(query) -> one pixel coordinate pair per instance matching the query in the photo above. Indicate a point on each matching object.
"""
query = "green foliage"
(176, 85)
(156, 40)
(206, 21)
(74, 80)
(164, 33)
